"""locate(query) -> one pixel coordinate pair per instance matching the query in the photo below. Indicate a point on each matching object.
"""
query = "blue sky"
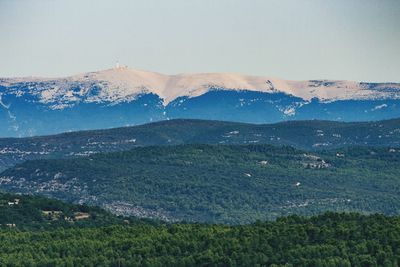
(291, 39)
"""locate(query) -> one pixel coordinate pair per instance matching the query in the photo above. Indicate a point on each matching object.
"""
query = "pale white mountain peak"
(124, 84)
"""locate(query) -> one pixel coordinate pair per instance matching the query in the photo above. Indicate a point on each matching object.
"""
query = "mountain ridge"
(125, 97)
(127, 82)
(308, 135)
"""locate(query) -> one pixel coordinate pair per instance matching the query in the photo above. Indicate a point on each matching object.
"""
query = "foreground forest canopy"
(219, 183)
(331, 239)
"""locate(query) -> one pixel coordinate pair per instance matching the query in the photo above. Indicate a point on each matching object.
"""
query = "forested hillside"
(310, 135)
(219, 183)
(25, 212)
(327, 240)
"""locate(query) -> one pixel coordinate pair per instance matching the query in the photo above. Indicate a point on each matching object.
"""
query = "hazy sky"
(292, 39)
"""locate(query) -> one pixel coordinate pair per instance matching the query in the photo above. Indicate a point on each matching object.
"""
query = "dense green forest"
(330, 239)
(220, 183)
(310, 135)
(37, 231)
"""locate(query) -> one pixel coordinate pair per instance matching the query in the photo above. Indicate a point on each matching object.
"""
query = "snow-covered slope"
(124, 84)
(124, 96)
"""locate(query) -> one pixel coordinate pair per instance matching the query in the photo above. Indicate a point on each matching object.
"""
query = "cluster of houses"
(14, 202)
(56, 214)
(314, 162)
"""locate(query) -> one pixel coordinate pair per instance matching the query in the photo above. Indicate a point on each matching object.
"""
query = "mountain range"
(123, 96)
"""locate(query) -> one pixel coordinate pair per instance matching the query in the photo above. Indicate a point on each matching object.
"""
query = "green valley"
(219, 183)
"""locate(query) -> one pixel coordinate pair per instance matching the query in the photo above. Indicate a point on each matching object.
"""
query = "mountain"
(123, 96)
(309, 135)
(219, 183)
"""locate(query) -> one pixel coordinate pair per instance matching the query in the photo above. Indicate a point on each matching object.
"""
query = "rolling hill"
(309, 135)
